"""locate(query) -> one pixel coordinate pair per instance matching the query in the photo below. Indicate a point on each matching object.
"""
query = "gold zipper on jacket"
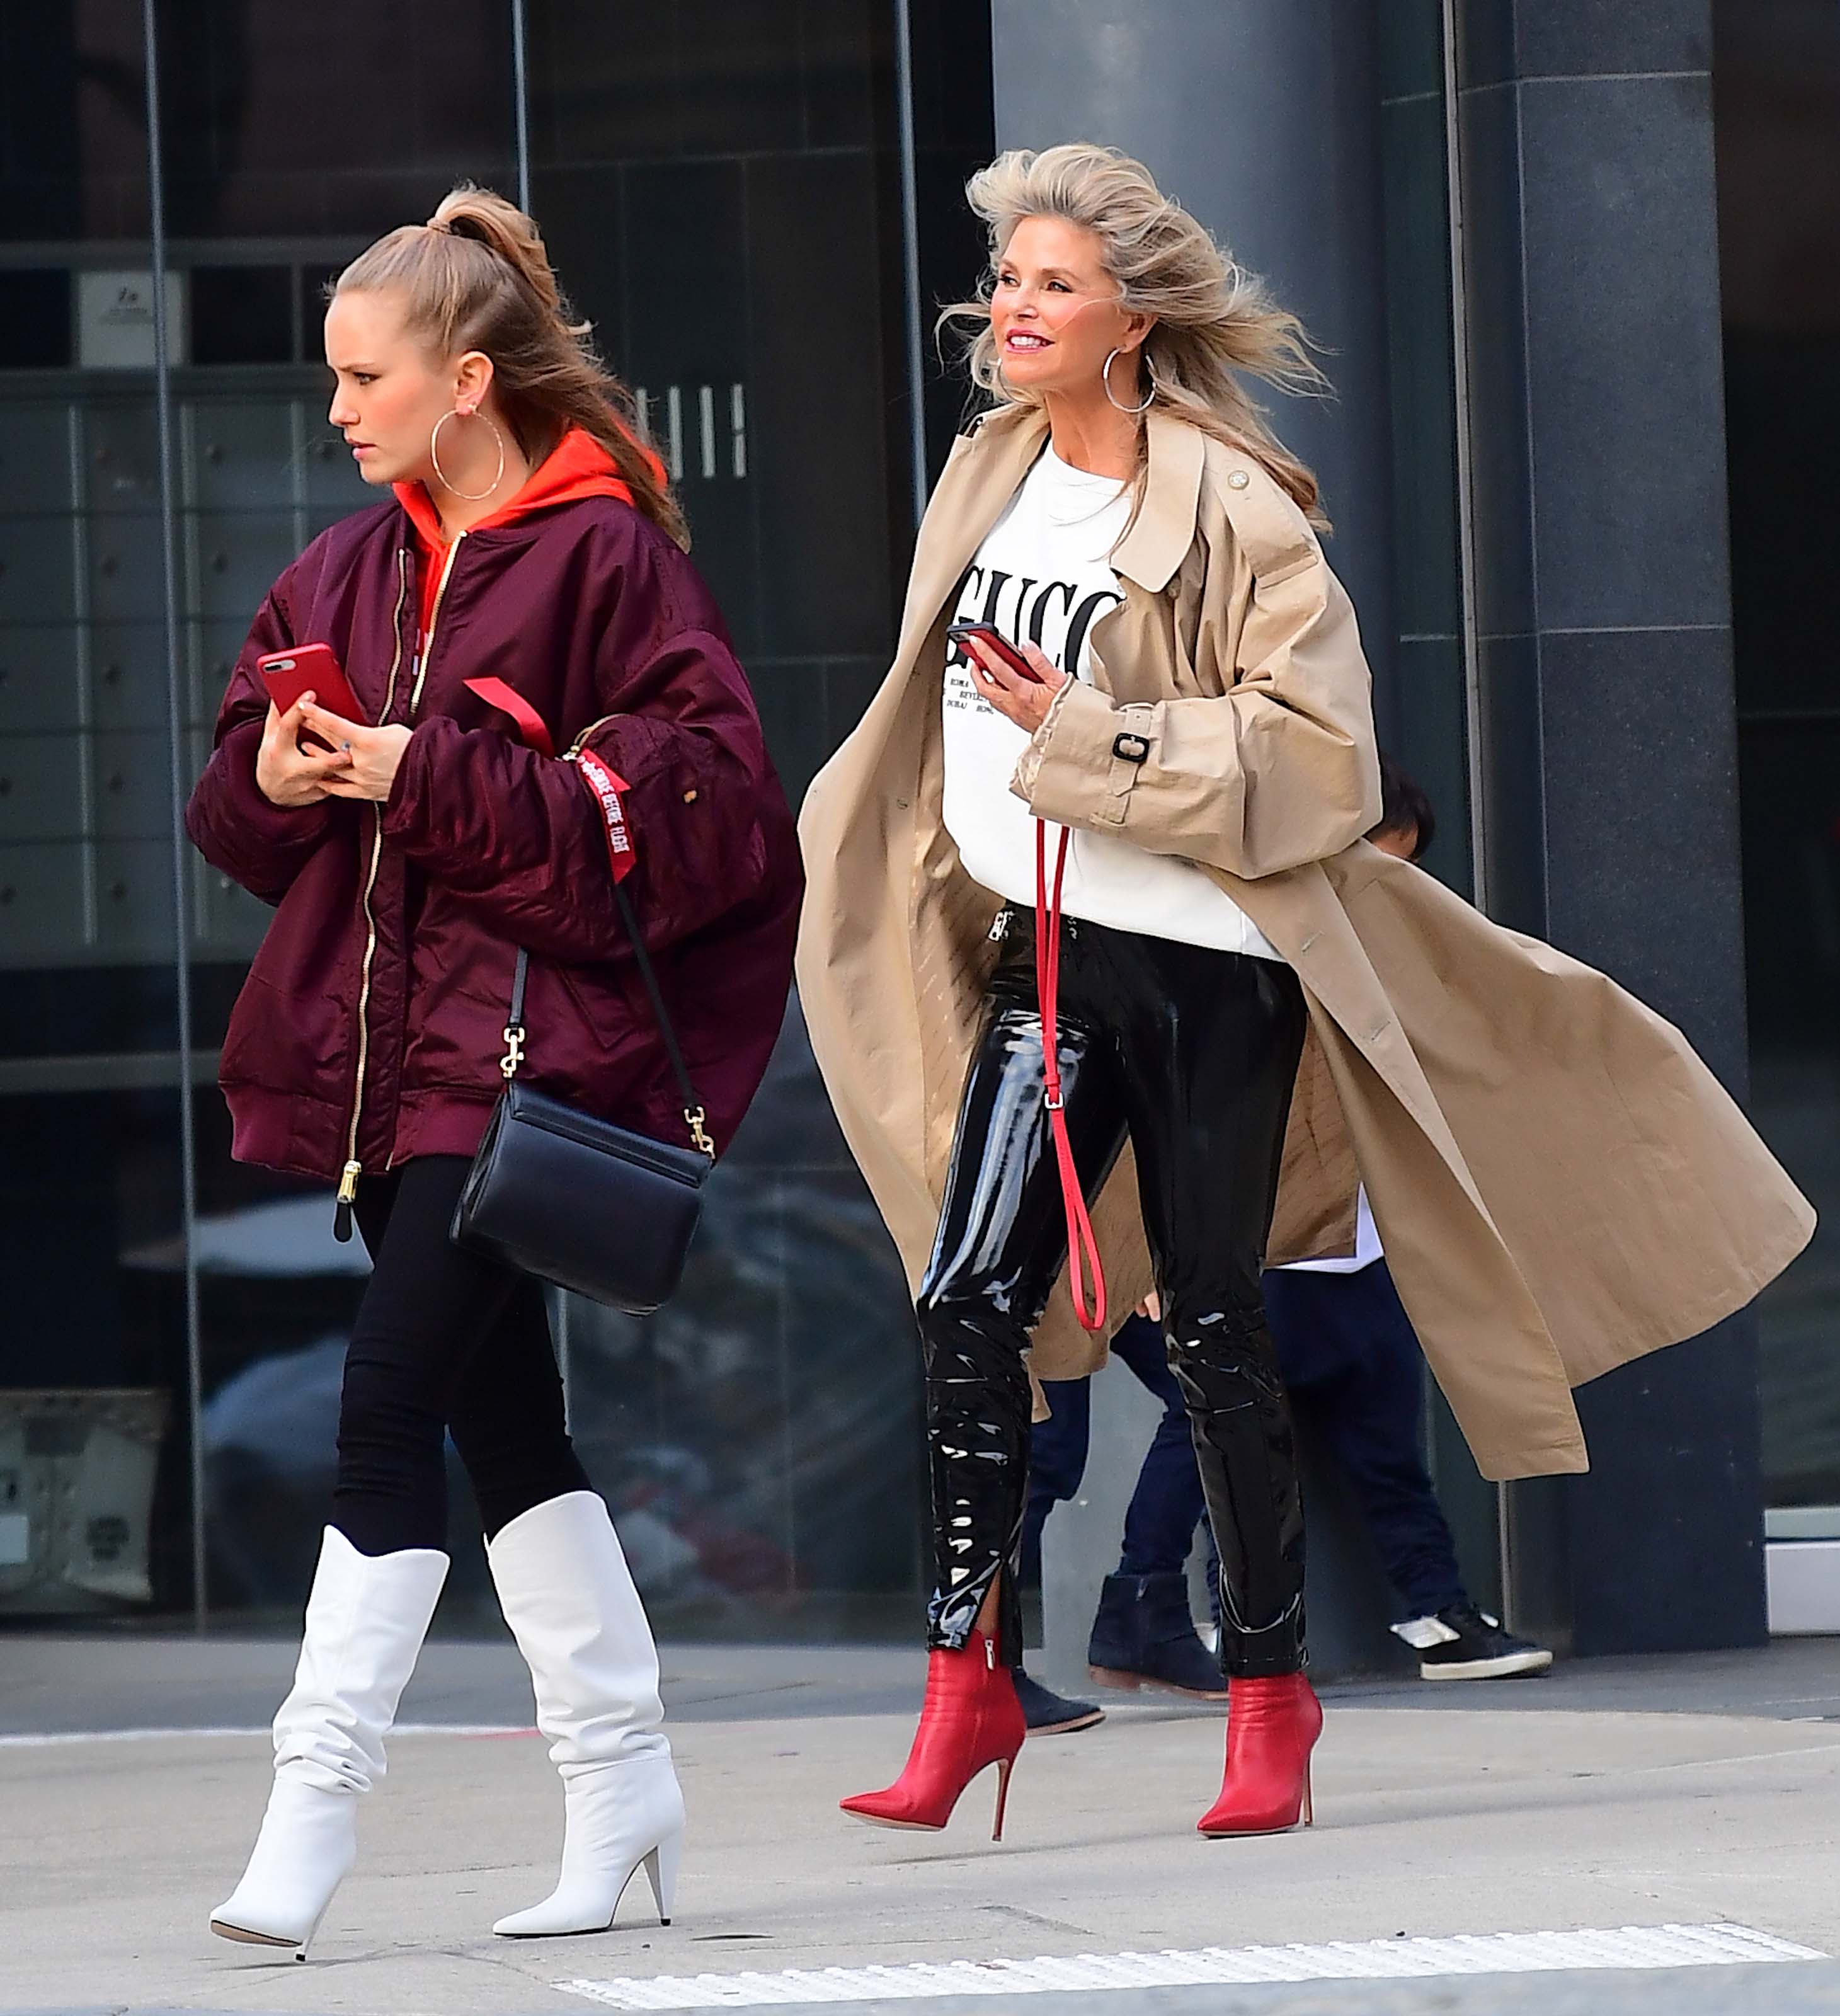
(453, 553)
(354, 1168)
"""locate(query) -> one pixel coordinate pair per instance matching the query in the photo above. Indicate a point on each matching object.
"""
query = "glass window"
(718, 186)
(1777, 109)
(720, 182)
(95, 1508)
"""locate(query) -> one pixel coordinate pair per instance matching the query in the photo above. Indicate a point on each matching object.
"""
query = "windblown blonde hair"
(476, 276)
(1214, 320)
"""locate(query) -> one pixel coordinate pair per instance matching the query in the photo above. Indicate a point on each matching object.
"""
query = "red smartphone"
(312, 668)
(993, 641)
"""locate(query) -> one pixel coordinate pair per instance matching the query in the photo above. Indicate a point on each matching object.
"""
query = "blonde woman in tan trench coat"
(1560, 1184)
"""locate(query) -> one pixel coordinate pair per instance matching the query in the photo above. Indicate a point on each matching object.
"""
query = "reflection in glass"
(95, 1513)
(1776, 108)
(758, 1440)
(717, 187)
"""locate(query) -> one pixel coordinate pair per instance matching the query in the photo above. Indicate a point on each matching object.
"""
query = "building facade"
(1574, 269)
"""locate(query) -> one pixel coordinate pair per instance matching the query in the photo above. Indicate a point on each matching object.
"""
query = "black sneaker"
(1462, 1643)
(1049, 1714)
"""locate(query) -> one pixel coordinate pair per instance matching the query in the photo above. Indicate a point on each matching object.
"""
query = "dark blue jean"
(1356, 1378)
(1165, 1507)
(1354, 1373)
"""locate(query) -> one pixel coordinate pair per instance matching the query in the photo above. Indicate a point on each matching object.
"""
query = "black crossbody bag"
(578, 1200)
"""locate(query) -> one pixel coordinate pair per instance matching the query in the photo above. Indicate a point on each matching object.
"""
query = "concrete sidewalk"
(1613, 1794)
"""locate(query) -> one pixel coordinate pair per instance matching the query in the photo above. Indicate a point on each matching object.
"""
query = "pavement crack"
(1039, 1918)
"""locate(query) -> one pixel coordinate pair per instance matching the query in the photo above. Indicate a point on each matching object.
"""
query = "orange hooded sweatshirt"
(577, 466)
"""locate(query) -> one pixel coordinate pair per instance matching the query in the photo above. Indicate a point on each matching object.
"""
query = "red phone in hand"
(312, 668)
(1000, 645)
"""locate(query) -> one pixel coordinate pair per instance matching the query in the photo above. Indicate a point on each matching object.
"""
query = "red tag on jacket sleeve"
(507, 699)
(607, 785)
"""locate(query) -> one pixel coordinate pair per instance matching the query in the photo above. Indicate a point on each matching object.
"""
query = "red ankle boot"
(1272, 1726)
(971, 1720)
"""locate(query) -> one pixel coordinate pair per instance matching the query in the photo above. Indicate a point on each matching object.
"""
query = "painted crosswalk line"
(1341, 1960)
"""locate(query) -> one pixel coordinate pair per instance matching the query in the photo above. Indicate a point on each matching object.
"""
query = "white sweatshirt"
(1044, 573)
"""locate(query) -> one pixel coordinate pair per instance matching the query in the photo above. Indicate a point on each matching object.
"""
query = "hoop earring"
(471, 496)
(1105, 380)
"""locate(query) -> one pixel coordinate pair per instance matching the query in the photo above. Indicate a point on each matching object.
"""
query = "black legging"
(1191, 1053)
(445, 1341)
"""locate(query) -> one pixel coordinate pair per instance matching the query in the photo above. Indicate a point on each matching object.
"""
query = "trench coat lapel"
(982, 476)
(1158, 538)
(978, 480)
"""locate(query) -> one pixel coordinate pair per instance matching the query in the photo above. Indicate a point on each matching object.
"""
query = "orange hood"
(577, 466)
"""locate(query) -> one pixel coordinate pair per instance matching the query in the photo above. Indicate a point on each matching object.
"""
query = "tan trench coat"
(1560, 1184)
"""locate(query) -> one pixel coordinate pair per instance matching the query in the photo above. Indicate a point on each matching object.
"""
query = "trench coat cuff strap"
(1084, 762)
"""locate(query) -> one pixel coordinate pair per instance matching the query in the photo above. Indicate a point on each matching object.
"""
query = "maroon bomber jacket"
(370, 1027)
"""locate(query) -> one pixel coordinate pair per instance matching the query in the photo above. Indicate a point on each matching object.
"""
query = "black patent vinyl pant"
(1191, 1053)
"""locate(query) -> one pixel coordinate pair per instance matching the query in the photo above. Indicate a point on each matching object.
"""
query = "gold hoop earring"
(1105, 380)
(470, 496)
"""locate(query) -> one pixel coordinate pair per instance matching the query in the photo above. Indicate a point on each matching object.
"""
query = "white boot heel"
(366, 1618)
(660, 1869)
(305, 1850)
(571, 1605)
(616, 1821)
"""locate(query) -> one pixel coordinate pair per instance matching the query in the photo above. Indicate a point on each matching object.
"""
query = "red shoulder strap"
(1083, 1247)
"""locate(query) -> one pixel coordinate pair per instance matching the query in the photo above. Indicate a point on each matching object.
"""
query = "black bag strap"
(693, 1113)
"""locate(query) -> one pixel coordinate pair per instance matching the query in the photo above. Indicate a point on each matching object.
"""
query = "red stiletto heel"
(1272, 1726)
(970, 1720)
(1003, 1798)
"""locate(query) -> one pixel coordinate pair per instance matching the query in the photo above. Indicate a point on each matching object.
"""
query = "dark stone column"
(1263, 118)
(1603, 595)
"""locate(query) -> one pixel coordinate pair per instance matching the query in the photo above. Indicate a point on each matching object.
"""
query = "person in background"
(1355, 1375)
(1144, 1633)
(1354, 1372)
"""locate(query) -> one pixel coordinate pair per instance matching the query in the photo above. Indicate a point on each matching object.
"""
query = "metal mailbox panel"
(41, 904)
(121, 458)
(239, 456)
(35, 456)
(132, 792)
(236, 559)
(134, 904)
(41, 787)
(127, 570)
(41, 678)
(127, 675)
(38, 570)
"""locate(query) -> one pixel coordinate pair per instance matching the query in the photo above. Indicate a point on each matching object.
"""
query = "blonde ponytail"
(476, 276)
(502, 227)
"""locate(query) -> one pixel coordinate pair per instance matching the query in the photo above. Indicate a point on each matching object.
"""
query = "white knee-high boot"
(366, 1618)
(569, 1599)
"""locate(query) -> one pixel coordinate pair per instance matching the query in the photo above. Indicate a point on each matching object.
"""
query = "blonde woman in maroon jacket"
(525, 591)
